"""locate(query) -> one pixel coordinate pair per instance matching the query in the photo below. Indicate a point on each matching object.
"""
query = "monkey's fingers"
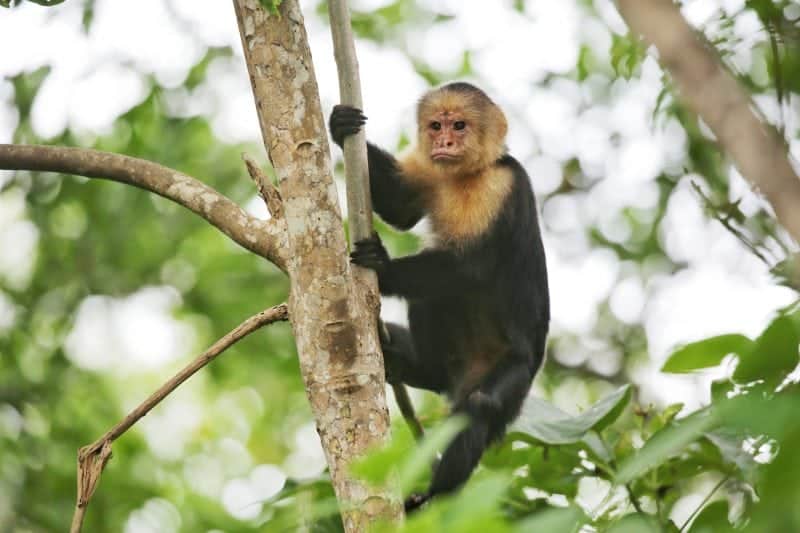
(342, 126)
(368, 260)
(347, 110)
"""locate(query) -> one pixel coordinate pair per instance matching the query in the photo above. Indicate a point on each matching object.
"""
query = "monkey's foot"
(415, 501)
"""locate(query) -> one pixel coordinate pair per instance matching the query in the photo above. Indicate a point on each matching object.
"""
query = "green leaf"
(626, 54)
(712, 518)
(271, 5)
(555, 469)
(472, 510)
(773, 356)
(661, 419)
(635, 523)
(706, 353)
(666, 443)
(566, 520)
(434, 441)
(477, 502)
(546, 423)
(607, 410)
(410, 460)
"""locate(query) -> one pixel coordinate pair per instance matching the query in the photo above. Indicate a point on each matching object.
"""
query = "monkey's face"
(447, 133)
(461, 131)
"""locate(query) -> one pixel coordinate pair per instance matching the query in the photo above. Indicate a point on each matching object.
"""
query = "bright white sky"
(100, 75)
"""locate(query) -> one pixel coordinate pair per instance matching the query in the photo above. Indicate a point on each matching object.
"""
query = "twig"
(704, 502)
(265, 238)
(92, 458)
(356, 167)
(268, 191)
(716, 213)
(632, 498)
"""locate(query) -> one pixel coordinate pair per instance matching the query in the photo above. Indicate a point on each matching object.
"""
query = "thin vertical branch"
(356, 169)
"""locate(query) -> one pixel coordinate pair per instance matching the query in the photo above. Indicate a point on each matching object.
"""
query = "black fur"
(490, 295)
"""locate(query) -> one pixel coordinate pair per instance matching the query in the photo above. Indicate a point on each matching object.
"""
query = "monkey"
(478, 299)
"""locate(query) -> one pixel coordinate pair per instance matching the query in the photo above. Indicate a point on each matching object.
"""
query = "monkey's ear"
(495, 133)
(498, 125)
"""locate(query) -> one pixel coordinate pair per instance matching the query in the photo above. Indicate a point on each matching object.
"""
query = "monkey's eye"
(459, 125)
(436, 126)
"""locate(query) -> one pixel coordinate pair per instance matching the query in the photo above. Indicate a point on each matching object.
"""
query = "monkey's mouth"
(443, 155)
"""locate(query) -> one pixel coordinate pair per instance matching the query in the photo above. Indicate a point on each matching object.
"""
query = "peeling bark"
(333, 322)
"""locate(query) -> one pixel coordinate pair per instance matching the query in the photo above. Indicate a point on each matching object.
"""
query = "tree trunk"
(332, 319)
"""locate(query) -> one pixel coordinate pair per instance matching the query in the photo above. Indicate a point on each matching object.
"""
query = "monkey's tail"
(458, 460)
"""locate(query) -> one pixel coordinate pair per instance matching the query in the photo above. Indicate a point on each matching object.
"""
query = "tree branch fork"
(266, 238)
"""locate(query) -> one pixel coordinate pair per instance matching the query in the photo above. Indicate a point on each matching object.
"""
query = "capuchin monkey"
(478, 303)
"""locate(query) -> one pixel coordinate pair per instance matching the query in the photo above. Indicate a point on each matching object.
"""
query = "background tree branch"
(265, 238)
(711, 91)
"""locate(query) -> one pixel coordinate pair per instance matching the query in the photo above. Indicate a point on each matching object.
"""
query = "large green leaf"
(635, 523)
(713, 518)
(773, 356)
(547, 423)
(472, 510)
(566, 520)
(411, 461)
(706, 353)
(666, 443)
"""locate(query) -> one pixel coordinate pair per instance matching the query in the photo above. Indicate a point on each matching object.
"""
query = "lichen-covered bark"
(333, 322)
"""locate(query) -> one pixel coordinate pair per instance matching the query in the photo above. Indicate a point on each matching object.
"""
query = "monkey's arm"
(393, 198)
(428, 274)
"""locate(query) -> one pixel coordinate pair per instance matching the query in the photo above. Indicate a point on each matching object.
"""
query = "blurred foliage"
(729, 462)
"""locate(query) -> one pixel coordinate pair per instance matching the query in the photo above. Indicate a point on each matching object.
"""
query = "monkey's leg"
(490, 408)
(404, 365)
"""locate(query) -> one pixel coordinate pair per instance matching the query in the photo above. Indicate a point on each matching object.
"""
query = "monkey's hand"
(370, 253)
(345, 121)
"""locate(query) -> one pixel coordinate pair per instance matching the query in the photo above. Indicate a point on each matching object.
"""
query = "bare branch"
(713, 93)
(719, 214)
(92, 458)
(268, 191)
(356, 169)
(265, 238)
